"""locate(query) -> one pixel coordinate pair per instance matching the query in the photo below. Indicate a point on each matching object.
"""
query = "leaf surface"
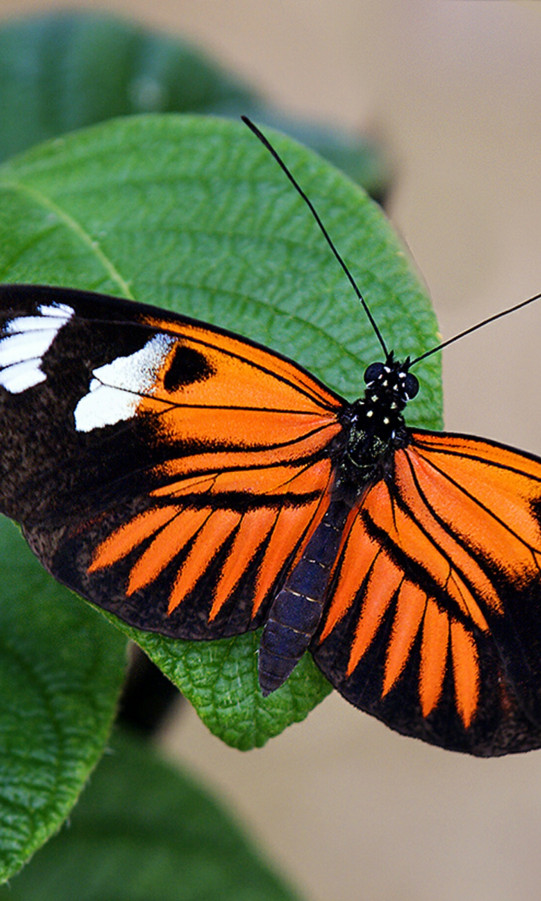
(60, 676)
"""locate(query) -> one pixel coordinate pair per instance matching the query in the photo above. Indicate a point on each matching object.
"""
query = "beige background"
(349, 809)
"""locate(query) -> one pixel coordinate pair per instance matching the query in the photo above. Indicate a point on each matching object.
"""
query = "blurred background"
(452, 91)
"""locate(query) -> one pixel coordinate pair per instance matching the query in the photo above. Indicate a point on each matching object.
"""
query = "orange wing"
(194, 464)
(434, 622)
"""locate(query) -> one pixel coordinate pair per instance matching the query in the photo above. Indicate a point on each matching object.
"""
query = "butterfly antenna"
(317, 217)
(473, 328)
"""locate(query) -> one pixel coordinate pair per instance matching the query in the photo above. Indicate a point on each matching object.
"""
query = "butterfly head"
(389, 384)
(375, 420)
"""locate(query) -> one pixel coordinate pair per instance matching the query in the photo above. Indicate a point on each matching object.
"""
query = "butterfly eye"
(373, 372)
(411, 385)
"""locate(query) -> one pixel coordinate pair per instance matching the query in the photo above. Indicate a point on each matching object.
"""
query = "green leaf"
(145, 830)
(60, 675)
(194, 215)
(220, 679)
(68, 69)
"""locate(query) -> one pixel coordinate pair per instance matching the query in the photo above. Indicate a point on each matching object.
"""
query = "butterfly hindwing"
(434, 621)
(167, 470)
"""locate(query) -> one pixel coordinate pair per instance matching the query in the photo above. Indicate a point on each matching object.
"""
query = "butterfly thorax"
(375, 422)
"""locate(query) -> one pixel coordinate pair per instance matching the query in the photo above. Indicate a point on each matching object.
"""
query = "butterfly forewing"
(167, 470)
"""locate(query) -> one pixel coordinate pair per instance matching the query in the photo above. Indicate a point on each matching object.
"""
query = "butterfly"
(199, 485)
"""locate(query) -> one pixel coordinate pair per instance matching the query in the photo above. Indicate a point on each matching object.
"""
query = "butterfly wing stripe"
(465, 661)
(434, 651)
(280, 555)
(286, 529)
(198, 484)
(411, 604)
(434, 648)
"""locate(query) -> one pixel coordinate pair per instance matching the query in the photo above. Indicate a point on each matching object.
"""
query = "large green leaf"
(68, 69)
(193, 214)
(145, 830)
(60, 675)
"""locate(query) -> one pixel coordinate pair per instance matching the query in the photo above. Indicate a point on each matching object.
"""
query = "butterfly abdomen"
(298, 606)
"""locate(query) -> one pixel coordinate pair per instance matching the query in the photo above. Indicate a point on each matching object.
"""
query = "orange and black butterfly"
(199, 485)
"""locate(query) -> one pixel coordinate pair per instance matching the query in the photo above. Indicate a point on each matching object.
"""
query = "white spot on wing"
(20, 376)
(115, 391)
(23, 343)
